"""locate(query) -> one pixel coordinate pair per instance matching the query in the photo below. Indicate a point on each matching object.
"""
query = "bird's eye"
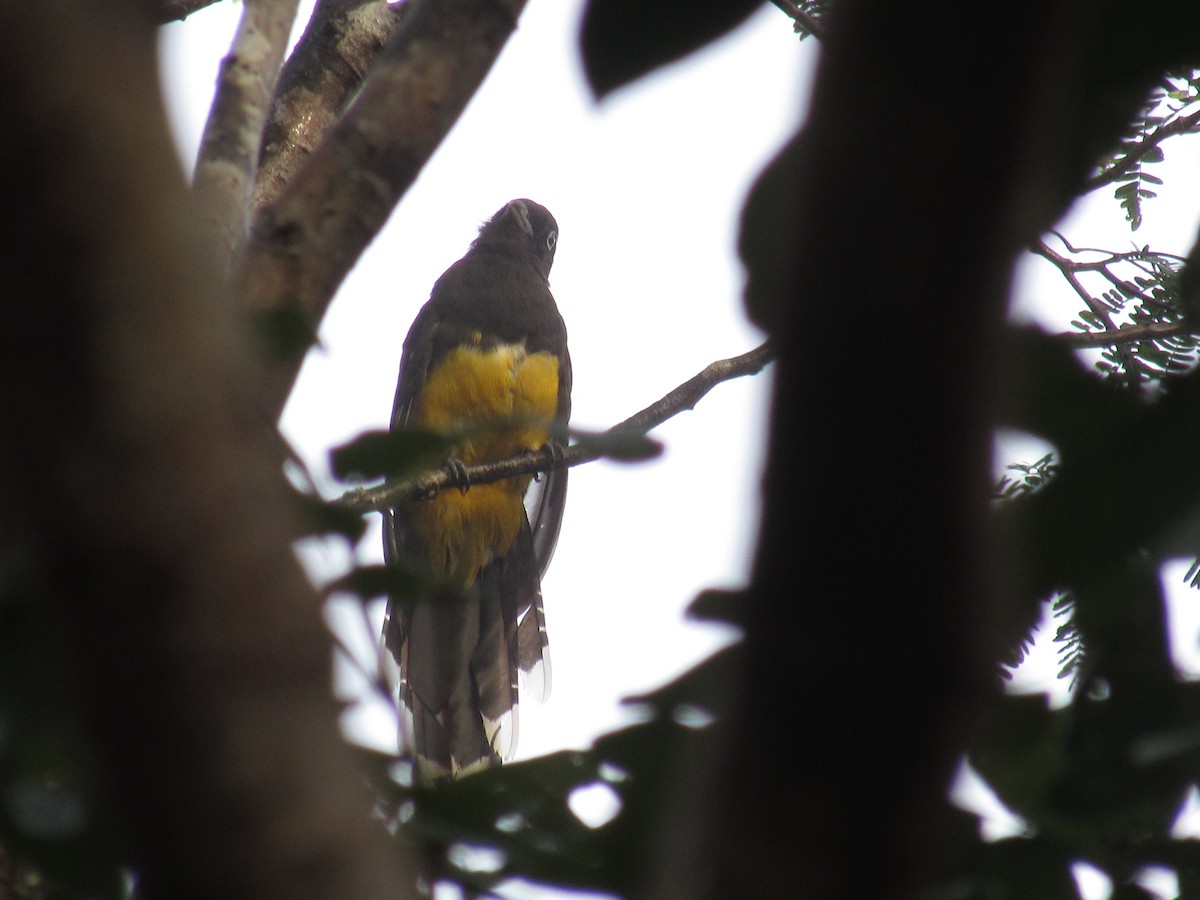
(551, 241)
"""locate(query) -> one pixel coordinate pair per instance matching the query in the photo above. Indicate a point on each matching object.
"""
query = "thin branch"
(1182, 125)
(1069, 269)
(1080, 265)
(233, 134)
(164, 11)
(1112, 335)
(1126, 335)
(801, 18)
(684, 397)
(341, 42)
(1127, 288)
(688, 394)
(303, 244)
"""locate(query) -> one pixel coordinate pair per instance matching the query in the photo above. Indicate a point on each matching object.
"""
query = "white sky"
(646, 189)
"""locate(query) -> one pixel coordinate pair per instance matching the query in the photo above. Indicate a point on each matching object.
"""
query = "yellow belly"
(494, 402)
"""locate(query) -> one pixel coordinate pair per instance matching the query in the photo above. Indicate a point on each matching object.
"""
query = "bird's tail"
(460, 655)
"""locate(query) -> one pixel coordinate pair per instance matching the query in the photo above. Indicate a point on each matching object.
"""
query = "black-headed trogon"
(485, 363)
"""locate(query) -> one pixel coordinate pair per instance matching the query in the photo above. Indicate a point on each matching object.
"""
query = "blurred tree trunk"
(935, 149)
(143, 515)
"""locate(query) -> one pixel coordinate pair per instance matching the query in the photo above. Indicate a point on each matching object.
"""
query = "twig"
(165, 11)
(1080, 265)
(801, 18)
(1121, 167)
(684, 397)
(1127, 335)
(1069, 269)
(1111, 335)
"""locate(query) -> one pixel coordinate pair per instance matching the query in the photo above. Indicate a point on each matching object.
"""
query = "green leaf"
(622, 447)
(378, 581)
(286, 333)
(391, 454)
(319, 517)
(1020, 868)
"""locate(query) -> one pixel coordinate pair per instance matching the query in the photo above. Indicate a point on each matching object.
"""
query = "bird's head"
(523, 226)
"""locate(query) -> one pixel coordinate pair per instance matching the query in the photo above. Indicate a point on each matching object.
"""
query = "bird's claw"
(557, 451)
(458, 474)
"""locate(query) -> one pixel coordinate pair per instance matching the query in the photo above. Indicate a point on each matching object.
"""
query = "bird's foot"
(557, 451)
(458, 474)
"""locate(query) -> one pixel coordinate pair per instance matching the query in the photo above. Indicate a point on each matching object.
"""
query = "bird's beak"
(521, 211)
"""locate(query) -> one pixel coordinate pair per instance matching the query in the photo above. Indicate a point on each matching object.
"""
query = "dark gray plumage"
(486, 357)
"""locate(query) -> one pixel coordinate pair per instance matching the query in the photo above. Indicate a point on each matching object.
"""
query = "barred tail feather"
(460, 657)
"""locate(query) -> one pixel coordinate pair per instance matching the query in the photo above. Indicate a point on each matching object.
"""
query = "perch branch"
(684, 397)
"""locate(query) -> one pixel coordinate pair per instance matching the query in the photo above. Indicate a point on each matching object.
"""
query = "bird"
(485, 364)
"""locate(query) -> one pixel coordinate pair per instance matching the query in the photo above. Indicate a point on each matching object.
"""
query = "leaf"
(377, 581)
(286, 333)
(1027, 868)
(622, 40)
(1017, 747)
(379, 454)
(622, 447)
(719, 606)
(1053, 397)
(320, 517)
